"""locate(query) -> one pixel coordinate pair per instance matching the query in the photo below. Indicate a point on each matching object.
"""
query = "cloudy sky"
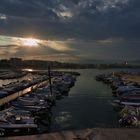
(70, 30)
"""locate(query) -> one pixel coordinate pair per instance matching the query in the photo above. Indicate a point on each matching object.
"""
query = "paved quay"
(86, 134)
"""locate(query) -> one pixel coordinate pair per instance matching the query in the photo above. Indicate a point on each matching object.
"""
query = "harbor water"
(88, 105)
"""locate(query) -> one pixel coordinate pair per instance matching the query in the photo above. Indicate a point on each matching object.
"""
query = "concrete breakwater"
(86, 134)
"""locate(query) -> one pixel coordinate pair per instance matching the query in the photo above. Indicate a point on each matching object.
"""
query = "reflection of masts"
(49, 74)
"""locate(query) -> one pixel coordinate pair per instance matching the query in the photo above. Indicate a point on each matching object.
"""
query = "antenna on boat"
(50, 82)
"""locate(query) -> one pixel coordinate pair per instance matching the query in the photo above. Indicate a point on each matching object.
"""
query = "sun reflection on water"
(29, 70)
(63, 117)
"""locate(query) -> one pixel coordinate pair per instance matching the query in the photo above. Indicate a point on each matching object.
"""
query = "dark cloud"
(90, 19)
(85, 20)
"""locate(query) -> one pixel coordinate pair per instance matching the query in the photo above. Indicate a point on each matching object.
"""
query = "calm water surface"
(88, 104)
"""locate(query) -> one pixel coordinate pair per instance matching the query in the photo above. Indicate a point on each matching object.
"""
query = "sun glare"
(30, 42)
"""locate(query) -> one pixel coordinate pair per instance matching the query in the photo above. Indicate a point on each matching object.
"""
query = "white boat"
(128, 103)
(16, 120)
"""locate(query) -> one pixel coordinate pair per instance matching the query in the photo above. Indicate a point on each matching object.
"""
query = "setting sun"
(30, 42)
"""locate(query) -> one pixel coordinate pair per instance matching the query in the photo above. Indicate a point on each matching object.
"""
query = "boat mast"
(49, 74)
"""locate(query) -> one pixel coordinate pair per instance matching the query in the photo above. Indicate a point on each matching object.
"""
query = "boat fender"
(135, 121)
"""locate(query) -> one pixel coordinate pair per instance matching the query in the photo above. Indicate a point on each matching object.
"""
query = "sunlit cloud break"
(3, 17)
(57, 45)
(32, 48)
(33, 42)
(28, 42)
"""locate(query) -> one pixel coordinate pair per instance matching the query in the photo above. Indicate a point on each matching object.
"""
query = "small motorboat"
(135, 103)
(15, 121)
(129, 116)
(130, 97)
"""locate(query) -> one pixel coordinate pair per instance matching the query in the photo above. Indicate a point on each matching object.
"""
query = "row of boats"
(32, 112)
(11, 74)
(12, 87)
(126, 97)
